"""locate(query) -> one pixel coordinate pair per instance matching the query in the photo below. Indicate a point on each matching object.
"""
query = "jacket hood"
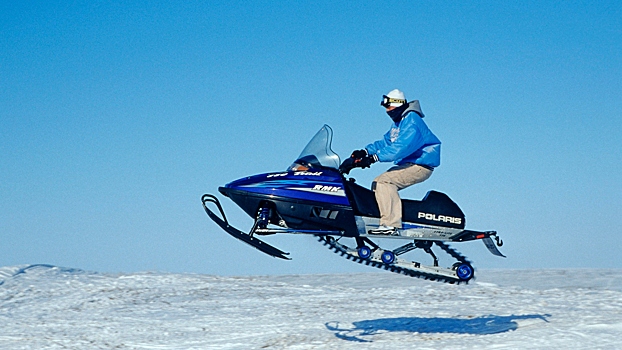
(414, 106)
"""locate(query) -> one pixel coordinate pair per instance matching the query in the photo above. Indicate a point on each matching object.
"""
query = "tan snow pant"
(388, 183)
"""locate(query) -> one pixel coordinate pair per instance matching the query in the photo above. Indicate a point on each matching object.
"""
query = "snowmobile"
(313, 197)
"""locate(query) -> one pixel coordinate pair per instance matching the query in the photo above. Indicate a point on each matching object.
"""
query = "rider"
(413, 148)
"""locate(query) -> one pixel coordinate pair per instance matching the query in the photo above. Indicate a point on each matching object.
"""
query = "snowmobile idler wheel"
(364, 252)
(464, 271)
(387, 257)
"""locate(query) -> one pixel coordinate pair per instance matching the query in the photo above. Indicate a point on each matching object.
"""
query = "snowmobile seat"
(435, 208)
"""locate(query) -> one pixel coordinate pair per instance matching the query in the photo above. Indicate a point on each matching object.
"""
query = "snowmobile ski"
(246, 238)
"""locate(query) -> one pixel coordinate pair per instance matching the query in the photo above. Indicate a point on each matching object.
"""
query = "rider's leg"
(388, 183)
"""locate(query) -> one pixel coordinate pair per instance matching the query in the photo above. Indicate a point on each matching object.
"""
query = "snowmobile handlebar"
(347, 165)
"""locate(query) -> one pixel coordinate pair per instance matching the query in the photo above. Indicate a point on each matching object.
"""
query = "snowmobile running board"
(466, 235)
(268, 231)
(244, 237)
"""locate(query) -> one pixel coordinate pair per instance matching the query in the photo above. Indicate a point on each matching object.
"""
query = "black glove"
(346, 166)
(365, 162)
(359, 153)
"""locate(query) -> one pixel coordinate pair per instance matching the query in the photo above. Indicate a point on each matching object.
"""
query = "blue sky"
(116, 118)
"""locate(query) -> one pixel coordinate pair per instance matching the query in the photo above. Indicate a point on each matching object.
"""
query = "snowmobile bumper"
(486, 237)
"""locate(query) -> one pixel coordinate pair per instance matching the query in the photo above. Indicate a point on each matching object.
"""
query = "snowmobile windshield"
(318, 153)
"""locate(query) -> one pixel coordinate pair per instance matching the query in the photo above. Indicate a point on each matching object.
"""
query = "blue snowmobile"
(314, 197)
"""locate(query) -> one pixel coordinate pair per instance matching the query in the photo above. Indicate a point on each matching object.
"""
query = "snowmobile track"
(341, 249)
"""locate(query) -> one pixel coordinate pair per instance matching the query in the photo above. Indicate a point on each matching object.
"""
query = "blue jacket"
(408, 141)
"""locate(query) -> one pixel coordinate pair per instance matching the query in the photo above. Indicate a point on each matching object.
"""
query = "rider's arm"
(374, 147)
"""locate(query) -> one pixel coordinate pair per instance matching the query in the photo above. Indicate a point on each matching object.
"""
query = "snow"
(48, 307)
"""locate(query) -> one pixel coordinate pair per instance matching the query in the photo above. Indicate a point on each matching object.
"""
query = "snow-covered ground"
(45, 307)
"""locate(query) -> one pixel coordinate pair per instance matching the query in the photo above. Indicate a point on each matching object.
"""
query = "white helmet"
(394, 98)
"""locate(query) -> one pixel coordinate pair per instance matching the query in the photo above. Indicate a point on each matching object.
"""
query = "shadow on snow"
(363, 330)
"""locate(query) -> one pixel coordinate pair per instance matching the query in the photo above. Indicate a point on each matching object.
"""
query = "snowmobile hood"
(322, 186)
